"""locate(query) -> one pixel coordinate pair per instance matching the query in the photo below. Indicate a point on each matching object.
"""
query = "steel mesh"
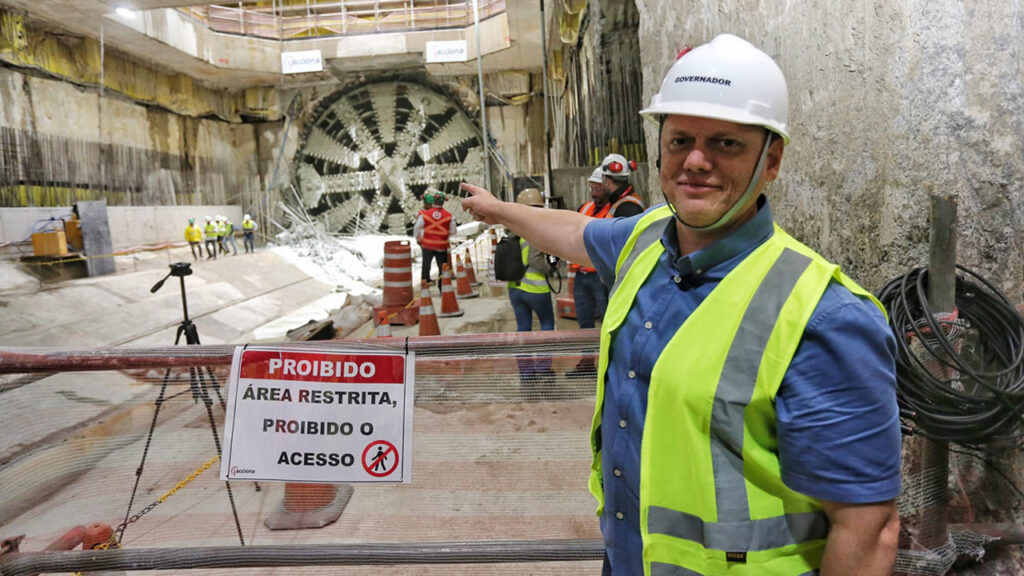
(500, 453)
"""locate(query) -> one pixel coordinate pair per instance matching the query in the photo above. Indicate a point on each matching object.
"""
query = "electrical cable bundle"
(979, 350)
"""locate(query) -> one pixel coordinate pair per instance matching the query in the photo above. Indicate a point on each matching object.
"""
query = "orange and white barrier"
(471, 271)
(449, 305)
(566, 305)
(398, 291)
(462, 287)
(428, 320)
(383, 326)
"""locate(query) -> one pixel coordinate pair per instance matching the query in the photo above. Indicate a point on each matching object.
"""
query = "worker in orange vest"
(622, 199)
(434, 226)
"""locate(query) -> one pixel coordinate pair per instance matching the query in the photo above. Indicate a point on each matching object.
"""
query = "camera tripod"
(200, 383)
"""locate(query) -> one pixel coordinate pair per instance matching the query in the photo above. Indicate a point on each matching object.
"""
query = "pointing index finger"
(473, 190)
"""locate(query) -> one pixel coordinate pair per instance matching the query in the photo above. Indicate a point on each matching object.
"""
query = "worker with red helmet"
(434, 226)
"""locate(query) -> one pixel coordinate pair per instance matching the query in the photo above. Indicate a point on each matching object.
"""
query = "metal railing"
(352, 17)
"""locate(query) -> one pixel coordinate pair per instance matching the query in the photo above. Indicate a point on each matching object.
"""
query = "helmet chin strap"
(740, 203)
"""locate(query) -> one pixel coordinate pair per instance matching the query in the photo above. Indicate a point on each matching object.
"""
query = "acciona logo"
(304, 61)
(235, 471)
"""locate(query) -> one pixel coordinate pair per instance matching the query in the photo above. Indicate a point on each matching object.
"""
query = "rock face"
(889, 102)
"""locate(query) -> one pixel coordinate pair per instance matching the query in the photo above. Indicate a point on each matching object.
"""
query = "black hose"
(974, 398)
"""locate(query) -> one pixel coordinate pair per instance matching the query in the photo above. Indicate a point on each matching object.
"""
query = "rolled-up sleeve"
(837, 417)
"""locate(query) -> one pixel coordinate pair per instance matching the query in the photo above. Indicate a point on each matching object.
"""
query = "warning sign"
(381, 462)
(300, 416)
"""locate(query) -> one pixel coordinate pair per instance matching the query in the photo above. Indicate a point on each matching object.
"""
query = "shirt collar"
(697, 268)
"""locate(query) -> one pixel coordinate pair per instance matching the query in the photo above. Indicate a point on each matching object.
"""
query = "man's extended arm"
(862, 539)
(558, 232)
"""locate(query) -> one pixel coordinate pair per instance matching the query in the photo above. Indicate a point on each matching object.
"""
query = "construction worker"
(229, 235)
(249, 228)
(222, 234)
(622, 200)
(211, 238)
(194, 236)
(749, 379)
(434, 226)
(532, 295)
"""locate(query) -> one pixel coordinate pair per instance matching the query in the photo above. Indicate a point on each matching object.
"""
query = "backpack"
(508, 259)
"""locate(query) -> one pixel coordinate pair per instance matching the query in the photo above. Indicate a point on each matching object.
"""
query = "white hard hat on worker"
(710, 99)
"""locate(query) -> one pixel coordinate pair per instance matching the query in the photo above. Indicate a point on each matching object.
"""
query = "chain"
(135, 517)
(102, 546)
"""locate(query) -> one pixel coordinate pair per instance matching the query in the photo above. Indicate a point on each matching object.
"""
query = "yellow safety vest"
(248, 224)
(712, 500)
(532, 281)
(212, 230)
(193, 233)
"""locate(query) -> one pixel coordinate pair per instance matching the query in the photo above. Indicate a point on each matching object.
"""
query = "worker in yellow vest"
(746, 421)
(249, 227)
(210, 229)
(194, 235)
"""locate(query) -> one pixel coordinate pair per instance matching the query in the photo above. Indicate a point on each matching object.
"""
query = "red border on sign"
(391, 448)
(338, 368)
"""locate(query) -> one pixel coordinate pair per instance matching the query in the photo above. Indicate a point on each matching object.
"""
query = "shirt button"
(622, 423)
(648, 325)
(631, 374)
(677, 279)
(619, 515)
(700, 271)
(617, 472)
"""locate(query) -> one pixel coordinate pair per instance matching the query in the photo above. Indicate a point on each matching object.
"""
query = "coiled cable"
(961, 378)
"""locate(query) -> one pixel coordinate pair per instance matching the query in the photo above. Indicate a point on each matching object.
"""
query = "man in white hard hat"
(210, 230)
(619, 194)
(249, 228)
(749, 379)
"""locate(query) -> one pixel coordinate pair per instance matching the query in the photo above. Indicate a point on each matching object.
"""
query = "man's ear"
(774, 160)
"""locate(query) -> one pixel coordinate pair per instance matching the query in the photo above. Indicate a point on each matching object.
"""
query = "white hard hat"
(616, 166)
(208, 218)
(726, 79)
(246, 217)
(595, 176)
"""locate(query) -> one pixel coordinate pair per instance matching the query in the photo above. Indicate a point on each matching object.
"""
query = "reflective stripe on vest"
(711, 495)
(628, 197)
(436, 224)
(533, 280)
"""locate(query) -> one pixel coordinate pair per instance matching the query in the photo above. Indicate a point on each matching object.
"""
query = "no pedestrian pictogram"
(380, 458)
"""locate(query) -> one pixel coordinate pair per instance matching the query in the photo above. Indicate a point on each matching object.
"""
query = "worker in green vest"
(746, 421)
(212, 234)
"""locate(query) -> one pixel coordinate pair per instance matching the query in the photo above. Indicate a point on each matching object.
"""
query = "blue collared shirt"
(837, 419)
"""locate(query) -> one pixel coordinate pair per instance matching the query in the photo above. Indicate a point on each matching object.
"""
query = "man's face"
(597, 193)
(706, 166)
(610, 186)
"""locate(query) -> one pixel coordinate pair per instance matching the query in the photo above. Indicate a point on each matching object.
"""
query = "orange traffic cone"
(97, 535)
(471, 271)
(428, 320)
(449, 305)
(567, 304)
(309, 506)
(462, 289)
(383, 329)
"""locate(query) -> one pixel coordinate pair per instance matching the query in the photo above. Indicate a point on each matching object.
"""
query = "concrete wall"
(889, 102)
(129, 225)
(210, 161)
